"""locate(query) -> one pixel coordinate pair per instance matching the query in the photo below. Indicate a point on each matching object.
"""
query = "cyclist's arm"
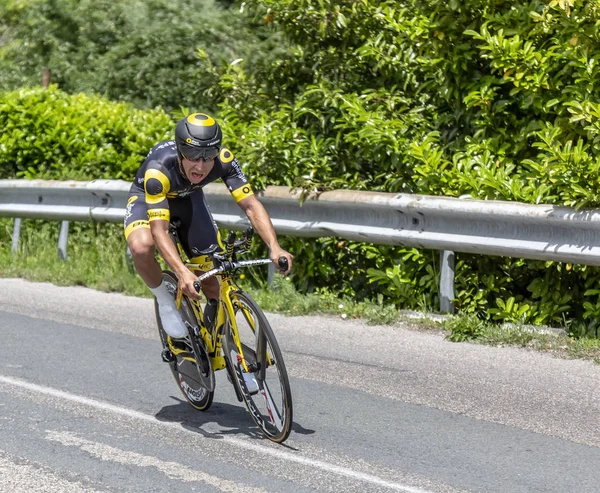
(157, 185)
(242, 193)
(260, 220)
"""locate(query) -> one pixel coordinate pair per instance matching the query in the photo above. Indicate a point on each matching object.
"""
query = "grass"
(466, 327)
(96, 259)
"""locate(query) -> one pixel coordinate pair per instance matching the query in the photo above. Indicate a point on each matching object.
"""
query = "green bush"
(52, 135)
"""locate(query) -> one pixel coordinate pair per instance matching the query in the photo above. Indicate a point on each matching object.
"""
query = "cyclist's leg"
(142, 247)
(197, 232)
(140, 241)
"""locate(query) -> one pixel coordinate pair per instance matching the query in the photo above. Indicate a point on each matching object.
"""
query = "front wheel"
(184, 368)
(266, 387)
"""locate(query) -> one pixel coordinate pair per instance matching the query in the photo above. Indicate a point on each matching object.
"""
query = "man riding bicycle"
(168, 187)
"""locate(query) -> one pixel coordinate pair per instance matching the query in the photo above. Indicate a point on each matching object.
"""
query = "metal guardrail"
(511, 229)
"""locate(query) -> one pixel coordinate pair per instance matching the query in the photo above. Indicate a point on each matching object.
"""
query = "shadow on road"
(230, 419)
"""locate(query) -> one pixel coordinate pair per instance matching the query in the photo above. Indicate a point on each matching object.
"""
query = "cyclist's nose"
(202, 162)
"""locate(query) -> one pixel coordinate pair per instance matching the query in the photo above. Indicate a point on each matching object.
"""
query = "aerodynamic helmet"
(198, 136)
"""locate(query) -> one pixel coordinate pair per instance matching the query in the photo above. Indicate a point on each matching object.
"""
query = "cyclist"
(168, 186)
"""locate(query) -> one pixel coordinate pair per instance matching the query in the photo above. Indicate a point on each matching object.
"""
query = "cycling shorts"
(197, 230)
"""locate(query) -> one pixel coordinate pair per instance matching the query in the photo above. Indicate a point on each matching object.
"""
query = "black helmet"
(198, 135)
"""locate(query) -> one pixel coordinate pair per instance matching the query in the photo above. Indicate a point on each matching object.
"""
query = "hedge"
(49, 134)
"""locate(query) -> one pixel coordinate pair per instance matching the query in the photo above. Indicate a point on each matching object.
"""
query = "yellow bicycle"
(241, 341)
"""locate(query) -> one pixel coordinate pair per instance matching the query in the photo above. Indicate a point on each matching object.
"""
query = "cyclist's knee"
(141, 246)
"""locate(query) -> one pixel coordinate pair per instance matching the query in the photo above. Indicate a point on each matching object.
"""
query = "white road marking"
(20, 476)
(171, 469)
(275, 452)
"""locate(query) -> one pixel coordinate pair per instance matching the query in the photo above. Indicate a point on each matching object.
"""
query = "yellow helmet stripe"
(195, 119)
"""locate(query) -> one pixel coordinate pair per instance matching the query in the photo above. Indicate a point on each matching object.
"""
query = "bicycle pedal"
(167, 356)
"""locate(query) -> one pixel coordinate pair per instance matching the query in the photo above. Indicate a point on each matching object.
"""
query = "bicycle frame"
(240, 340)
(225, 310)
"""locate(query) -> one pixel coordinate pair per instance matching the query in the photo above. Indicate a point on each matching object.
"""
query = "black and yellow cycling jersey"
(161, 192)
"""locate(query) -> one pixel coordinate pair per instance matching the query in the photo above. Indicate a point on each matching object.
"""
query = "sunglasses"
(195, 153)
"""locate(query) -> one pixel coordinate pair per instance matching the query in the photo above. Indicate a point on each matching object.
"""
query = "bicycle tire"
(271, 407)
(185, 372)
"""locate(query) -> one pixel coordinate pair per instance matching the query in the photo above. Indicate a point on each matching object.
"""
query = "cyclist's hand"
(276, 254)
(186, 285)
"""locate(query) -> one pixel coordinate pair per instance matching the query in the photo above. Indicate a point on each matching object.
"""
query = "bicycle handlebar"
(229, 266)
(232, 247)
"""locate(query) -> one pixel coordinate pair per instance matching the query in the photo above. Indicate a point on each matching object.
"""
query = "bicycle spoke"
(274, 415)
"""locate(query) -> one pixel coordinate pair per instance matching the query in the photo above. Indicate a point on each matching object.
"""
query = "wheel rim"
(268, 407)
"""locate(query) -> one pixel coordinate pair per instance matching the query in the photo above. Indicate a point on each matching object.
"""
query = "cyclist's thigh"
(135, 224)
(198, 230)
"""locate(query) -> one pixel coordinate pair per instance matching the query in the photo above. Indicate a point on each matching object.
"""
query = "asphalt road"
(86, 405)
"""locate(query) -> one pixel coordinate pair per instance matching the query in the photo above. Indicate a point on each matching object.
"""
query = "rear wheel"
(270, 401)
(187, 372)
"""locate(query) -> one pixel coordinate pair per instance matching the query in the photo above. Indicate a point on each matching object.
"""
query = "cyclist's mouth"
(196, 176)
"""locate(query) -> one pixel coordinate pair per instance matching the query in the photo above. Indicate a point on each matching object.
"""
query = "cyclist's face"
(196, 171)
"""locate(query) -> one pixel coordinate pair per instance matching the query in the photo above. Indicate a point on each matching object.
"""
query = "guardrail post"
(63, 238)
(15, 236)
(447, 281)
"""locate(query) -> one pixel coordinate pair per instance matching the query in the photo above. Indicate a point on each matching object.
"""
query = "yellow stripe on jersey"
(159, 214)
(242, 192)
(156, 192)
(135, 225)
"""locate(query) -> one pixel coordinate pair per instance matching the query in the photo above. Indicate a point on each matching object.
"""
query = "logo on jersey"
(226, 156)
(129, 208)
(238, 170)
